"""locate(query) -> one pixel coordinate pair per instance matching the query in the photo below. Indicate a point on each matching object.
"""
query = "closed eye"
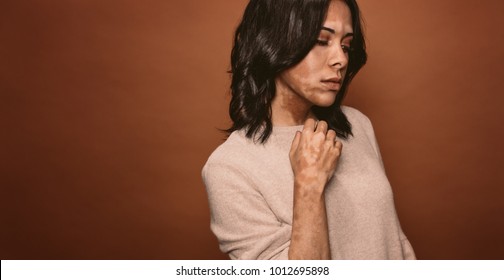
(322, 42)
(346, 49)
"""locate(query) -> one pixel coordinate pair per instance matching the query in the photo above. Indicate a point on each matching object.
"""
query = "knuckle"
(337, 153)
(328, 146)
(319, 135)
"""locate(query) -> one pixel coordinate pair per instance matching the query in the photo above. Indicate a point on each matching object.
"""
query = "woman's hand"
(314, 154)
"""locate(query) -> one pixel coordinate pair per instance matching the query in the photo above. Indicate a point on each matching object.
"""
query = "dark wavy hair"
(273, 36)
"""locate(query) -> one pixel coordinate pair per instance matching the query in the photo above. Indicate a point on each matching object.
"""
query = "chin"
(327, 101)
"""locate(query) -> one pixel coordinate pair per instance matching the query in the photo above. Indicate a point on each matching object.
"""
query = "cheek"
(314, 62)
(307, 70)
(343, 72)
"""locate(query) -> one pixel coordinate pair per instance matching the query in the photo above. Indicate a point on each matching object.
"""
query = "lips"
(332, 83)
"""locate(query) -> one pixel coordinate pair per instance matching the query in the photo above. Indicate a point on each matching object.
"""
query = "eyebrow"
(334, 32)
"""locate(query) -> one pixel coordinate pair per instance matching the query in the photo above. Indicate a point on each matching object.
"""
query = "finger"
(295, 142)
(331, 136)
(321, 127)
(338, 145)
(310, 125)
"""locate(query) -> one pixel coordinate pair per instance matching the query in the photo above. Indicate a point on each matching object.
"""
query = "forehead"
(339, 17)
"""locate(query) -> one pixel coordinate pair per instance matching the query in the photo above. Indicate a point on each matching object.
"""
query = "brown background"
(109, 110)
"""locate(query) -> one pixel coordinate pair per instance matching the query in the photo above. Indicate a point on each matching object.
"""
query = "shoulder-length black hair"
(273, 36)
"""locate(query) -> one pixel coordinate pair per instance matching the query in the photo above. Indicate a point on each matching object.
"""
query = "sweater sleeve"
(241, 218)
(407, 249)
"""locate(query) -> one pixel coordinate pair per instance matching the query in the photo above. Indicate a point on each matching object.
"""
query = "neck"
(289, 109)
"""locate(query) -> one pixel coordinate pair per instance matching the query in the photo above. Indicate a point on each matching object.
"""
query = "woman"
(282, 186)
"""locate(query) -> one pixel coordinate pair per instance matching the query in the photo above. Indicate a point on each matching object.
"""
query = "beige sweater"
(250, 191)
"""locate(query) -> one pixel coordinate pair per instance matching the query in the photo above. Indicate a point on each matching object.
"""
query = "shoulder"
(232, 154)
(362, 129)
(234, 145)
(357, 118)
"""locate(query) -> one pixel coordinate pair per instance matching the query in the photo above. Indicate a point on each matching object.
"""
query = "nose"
(338, 58)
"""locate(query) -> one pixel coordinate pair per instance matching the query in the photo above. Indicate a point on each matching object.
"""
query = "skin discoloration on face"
(317, 79)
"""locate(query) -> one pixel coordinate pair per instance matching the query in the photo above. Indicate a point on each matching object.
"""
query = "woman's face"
(318, 77)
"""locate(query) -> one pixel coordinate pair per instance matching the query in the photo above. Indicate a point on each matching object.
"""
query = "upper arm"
(241, 219)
